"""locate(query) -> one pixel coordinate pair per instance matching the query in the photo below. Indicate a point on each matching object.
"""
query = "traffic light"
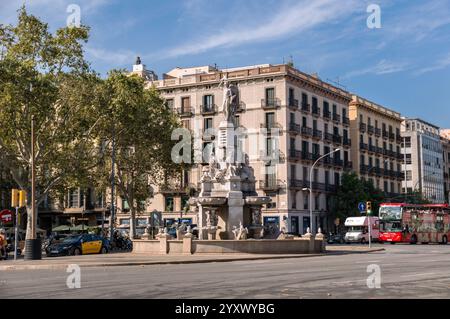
(369, 207)
(22, 198)
(15, 198)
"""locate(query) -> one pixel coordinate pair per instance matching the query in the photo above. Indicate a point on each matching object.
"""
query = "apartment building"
(312, 118)
(376, 151)
(445, 139)
(424, 159)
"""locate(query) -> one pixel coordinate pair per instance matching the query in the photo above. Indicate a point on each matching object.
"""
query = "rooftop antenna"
(337, 82)
(291, 61)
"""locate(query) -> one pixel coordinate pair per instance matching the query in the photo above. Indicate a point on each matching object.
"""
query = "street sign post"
(362, 207)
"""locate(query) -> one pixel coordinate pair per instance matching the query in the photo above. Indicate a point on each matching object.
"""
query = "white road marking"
(417, 275)
(368, 262)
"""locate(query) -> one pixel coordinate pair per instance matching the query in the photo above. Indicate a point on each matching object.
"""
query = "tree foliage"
(44, 76)
(137, 120)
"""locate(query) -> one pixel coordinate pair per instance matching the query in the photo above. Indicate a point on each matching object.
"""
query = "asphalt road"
(421, 271)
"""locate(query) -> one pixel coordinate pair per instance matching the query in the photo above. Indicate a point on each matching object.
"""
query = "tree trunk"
(132, 222)
(29, 220)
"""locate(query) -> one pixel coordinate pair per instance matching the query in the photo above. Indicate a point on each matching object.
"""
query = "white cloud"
(113, 57)
(439, 65)
(381, 68)
(289, 20)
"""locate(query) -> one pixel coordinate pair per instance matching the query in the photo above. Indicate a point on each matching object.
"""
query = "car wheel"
(363, 241)
(104, 250)
(76, 252)
(444, 240)
(413, 240)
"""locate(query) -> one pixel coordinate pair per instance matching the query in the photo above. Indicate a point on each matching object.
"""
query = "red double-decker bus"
(408, 223)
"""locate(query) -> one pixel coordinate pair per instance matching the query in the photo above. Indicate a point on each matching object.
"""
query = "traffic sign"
(362, 207)
(6, 216)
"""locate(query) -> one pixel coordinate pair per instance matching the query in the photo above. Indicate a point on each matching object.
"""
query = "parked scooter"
(122, 242)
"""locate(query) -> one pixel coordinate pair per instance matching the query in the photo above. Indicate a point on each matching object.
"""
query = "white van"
(358, 229)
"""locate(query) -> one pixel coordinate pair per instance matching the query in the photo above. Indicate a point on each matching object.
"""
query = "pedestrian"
(3, 244)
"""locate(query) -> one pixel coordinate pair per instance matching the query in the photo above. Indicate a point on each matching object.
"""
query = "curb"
(177, 262)
(151, 263)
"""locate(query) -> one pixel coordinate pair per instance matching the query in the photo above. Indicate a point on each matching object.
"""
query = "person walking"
(3, 244)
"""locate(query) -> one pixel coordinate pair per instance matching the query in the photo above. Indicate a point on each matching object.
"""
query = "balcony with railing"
(270, 104)
(307, 131)
(377, 132)
(331, 188)
(327, 161)
(363, 169)
(326, 115)
(348, 165)
(294, 128)
(298, 184)
(346, 120)
(295, 155)
(336, 118)
(347, 141)
(306, 156)
(210, 109)
(372, 148)
(270, 184)
(338, 163)
(392, 136)
(370, 129)
(399, 139)
(306, 107)
(185, 111)
(316, 111)
(271, 126)
(328, 137)
(302, 184)
(363, 146)
(362, 127)
(293, 104)
(337, 139)
(317, 134)
(385, 134)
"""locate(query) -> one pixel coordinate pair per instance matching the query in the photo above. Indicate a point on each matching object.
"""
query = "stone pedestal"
(187, 244)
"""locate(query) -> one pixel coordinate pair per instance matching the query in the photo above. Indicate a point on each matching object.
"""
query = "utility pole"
(33, 244)
(113, 162)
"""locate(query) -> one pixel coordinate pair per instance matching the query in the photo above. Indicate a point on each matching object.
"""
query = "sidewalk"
(131, 259)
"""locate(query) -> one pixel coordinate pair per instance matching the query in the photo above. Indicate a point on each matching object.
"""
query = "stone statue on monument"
(230, 99)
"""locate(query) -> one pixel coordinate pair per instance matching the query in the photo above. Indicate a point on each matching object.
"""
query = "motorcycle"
(122, 242)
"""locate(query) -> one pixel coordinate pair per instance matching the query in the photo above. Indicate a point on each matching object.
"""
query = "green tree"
(141, 126)
(352, 191)
(44, 76)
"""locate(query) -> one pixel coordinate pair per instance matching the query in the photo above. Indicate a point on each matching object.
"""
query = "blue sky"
(405, 65)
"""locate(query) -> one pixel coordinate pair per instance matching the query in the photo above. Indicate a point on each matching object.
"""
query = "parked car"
(336, 239)
(79, 245)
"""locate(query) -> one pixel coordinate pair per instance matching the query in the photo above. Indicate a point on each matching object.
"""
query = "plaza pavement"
(132, 259)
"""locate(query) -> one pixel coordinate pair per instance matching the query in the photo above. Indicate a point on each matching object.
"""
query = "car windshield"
(391, 212)
(391, 226)
(355, 229)
(71, 239)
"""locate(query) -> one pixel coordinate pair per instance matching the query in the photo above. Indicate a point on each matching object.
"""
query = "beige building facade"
(376, 151)
(309, 118)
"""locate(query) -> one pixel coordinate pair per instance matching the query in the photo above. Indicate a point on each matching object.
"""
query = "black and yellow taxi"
(83, 244)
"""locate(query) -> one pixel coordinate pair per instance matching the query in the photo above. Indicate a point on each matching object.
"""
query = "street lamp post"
(311, 188)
